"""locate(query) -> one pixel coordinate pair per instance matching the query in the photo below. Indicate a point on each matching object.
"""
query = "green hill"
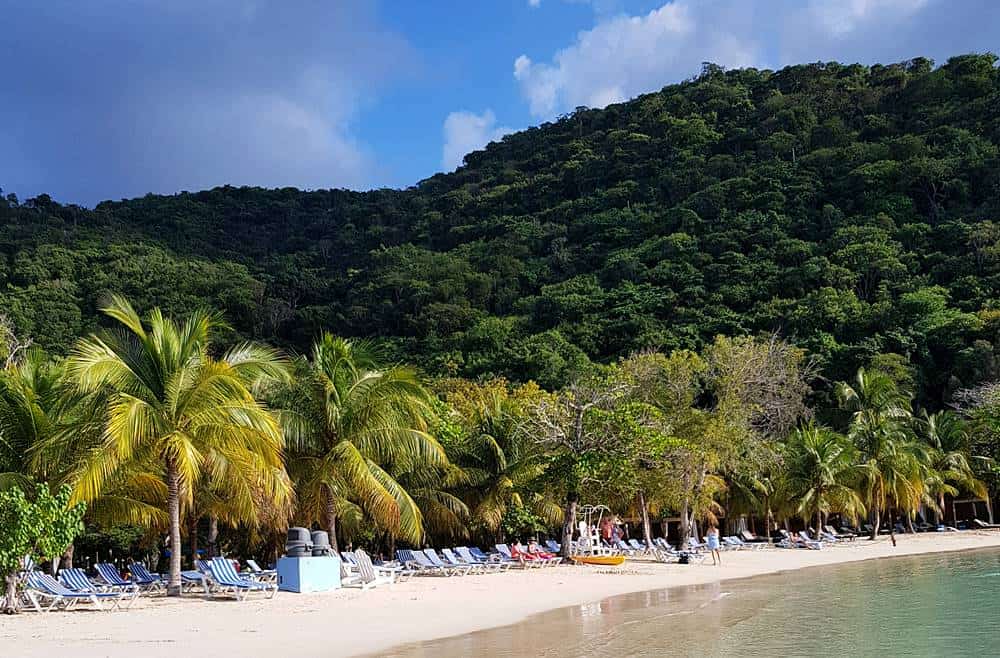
(854, 209)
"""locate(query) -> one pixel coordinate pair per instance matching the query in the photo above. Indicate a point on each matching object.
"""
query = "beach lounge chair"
(983, 525)
(77, 580)
(348, 562)
(805, 541)
(43, 587)
(112, 580)
(266, 575)
(624, 548)
(553, 546)
(145, 578)
(637, 547)
(469, 555)
(749, 546)
(417, 560)
(849, 536)
(368, 575)
(526, 560)
(696, 546)
(748, 537)
(454, 559)
(492, 557)
(457, 569)
(192, 579)
(226, 579)
(731, 543)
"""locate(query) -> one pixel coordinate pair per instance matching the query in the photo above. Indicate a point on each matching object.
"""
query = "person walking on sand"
(712, 537)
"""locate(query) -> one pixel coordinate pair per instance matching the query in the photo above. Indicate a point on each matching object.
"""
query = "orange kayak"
(600, 560)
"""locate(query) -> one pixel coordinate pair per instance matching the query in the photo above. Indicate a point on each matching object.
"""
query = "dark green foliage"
(854, 209)
(36, 527)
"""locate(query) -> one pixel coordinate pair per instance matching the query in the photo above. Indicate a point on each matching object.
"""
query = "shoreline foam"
(350, 622)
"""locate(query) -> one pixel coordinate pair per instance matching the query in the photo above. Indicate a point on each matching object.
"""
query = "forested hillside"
(854, 209)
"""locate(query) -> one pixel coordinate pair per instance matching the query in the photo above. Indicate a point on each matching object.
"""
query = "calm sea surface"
(940, 605)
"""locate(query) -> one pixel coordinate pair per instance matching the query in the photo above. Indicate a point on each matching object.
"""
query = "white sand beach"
(350, 622)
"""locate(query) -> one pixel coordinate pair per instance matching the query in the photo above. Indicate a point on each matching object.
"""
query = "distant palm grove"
(770, 294)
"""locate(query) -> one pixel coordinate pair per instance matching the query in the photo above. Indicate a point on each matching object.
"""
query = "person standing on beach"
(712, 537)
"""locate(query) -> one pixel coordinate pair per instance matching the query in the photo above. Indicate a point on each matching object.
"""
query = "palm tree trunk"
(684, 531)
(213, 536)
(331, 519)
(878, 520)
(174, 514)
(193, 538)
(819, 523)
(647, 531)
(67, 557)
(569, 521)
(909, 525)
(939, 513)
(10, 605)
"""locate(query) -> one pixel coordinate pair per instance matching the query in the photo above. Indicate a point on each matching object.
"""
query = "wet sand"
(350, 622)
(903, 605)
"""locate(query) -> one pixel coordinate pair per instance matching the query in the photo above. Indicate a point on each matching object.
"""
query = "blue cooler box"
(308, 574)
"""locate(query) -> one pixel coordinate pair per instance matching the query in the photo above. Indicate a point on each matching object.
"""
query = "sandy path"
(349, 622)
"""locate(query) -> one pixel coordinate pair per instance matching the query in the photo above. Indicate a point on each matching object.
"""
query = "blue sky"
(105, 99)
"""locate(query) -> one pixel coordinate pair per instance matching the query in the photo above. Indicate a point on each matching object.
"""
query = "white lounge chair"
(368, 575)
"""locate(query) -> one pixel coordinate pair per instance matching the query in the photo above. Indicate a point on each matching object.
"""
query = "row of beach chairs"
(45, 593)
(464, 560)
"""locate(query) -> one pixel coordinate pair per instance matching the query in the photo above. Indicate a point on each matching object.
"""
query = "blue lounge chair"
(42, 586)
(469, 556)
(553, 546)
(455, 559)
(227, 580)
(77, 580)
(493, 557)
(696, 546)
(459, 568)
(112, 580)
(418, 562)
(145, 578)
(731, 543)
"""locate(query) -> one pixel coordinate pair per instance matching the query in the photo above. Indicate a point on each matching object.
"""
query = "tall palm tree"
(503, 466)
(43, 431)
(29, 401)
(891, 461)
(822, 474)
(949, 468)
(173, 407)
(350, 424)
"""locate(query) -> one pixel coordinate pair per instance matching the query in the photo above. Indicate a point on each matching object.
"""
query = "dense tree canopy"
(853, 209)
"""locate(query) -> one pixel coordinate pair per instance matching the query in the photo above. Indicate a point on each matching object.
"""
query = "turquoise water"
(940, 605)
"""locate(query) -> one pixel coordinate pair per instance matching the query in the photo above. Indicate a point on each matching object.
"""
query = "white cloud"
(534, 3)
(158, 97)
(623, 56)
(465, 132)
(841, 18)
